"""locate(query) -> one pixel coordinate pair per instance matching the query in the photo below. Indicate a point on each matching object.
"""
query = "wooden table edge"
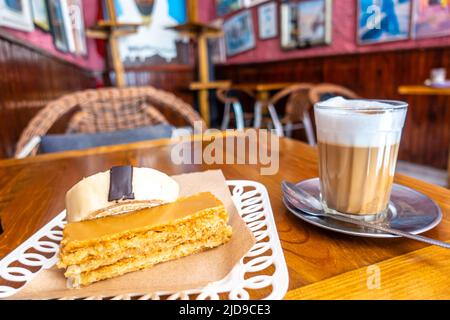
(116, 148)
(422, 90)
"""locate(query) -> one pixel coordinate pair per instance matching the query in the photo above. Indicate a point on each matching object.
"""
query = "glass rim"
(394, 105)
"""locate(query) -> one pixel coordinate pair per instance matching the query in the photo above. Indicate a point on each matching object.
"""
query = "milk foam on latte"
(358, 145)
(343, 124)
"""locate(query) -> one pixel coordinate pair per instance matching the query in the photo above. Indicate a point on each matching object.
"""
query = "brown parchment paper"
(186, 273)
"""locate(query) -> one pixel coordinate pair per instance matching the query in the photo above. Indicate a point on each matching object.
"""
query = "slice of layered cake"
(112, 245)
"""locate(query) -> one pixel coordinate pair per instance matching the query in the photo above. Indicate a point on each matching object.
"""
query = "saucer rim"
(307, 218)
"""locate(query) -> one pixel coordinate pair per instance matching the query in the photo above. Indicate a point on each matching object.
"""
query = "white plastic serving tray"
(251, 199)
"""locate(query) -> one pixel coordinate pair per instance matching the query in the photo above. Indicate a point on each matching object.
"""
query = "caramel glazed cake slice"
(110, 246)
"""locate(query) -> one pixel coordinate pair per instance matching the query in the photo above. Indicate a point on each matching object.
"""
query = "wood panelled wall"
(172, 78)
(426, 136)
(29, 78)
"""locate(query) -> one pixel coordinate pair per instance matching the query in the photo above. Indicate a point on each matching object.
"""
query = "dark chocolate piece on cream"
(121, 183)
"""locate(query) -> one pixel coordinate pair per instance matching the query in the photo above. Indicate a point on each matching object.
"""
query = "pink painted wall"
(343, 38)
(95, 58)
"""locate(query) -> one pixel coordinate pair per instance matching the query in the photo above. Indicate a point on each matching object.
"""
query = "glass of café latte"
(358, 145)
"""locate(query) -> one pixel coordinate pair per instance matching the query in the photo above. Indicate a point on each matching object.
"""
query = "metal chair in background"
(229, 97)
(296, 112)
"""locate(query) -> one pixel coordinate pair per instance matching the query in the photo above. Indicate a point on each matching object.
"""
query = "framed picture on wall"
(306, 23)
(226, 6)
(153, 42)
(315, 19)
(251, 3)
(431, 18)
(60, 25)
(16, 14)
(239, 33)
(129, 11)
(77, 29)
(216, 45)
(267, 20)
(40, 15)
(289, 25)
(383, 20)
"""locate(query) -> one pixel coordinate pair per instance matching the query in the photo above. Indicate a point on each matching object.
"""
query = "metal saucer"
(409, 211)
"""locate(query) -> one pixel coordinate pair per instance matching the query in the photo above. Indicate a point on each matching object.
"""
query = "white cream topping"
(91, 193)
(358, 128)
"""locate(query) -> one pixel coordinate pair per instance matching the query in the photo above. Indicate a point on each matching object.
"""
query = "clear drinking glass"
(358, 144)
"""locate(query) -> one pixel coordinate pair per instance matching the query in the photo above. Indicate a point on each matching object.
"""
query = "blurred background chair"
(326, 91)
(115, 112)
(296, 115)
(231, 99)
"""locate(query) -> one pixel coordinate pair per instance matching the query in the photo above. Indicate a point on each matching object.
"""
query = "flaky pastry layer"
(146, 246)
(155, 237)
(145, 261)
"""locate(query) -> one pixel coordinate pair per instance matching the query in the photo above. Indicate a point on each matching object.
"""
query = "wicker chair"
(107, 109)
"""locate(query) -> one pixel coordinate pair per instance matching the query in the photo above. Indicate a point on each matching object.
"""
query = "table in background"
(423, 90)
(426, 90)
(321, 263)
(262, 93)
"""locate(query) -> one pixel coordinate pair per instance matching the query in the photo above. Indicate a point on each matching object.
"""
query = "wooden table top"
(322, 264)
(423, 90)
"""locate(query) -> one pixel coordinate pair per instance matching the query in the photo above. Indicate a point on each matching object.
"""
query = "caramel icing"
(144, 218)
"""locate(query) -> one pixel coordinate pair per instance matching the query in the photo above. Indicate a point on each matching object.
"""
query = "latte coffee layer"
(357, 180)
(358, 145)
